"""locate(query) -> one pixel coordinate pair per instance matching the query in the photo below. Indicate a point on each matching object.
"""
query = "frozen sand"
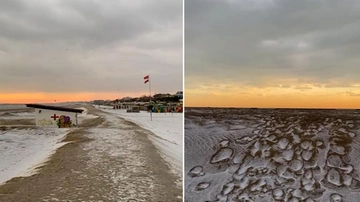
(24, 150)
(168, 130)
(271, 155)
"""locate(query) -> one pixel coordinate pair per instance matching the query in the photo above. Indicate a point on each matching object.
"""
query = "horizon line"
(273, 107)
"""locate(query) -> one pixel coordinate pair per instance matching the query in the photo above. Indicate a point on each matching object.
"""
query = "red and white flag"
(146, 78)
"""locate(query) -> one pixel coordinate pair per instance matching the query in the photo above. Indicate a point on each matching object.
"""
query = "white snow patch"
(84, 115)
(24, 150)
(221, 155)
(31, 114)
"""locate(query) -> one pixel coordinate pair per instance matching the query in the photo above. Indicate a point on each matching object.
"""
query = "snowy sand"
(117, 144)
(17, 115)
(24, 150)
(168, 130)
(120, 163)
(84, 116)
(272, 155)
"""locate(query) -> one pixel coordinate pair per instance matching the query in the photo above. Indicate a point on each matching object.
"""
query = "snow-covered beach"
(264, 155)
(113, 152)
(23, 150)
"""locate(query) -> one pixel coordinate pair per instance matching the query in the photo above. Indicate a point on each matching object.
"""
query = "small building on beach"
(53, 116)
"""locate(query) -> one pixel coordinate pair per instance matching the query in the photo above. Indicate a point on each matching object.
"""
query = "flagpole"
(150, 97)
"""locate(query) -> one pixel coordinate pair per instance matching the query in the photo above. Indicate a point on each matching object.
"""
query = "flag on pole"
(146, 78)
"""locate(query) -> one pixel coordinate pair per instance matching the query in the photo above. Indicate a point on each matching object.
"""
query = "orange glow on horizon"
(228, 101)
(339, 98)
(39, 97)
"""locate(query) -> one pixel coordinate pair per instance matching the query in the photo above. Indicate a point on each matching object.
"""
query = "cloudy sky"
(87, 49)
(272, 53)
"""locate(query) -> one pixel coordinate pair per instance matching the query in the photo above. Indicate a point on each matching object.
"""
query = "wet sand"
(72, 174)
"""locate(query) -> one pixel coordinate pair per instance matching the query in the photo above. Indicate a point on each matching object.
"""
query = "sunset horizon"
(267, 60)
(64, 50)
(274, 97)
(40, 97)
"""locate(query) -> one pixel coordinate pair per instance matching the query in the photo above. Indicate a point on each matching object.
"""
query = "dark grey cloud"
(318, 41)
(89, 45)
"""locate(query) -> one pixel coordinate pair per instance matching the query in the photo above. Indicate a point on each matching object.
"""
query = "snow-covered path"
(133, 173)
(167, 135)
(127, 174)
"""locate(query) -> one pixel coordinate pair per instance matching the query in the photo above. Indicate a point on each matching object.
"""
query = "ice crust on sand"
(283, 143)
(201, 186)
(224, 143)
(283, 155)
(196, 171)
(222, 155)
(238, 158)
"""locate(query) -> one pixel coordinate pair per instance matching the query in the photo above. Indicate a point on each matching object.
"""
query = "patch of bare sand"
(67, 177)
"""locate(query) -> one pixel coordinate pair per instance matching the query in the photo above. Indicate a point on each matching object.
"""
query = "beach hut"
(53, 116)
